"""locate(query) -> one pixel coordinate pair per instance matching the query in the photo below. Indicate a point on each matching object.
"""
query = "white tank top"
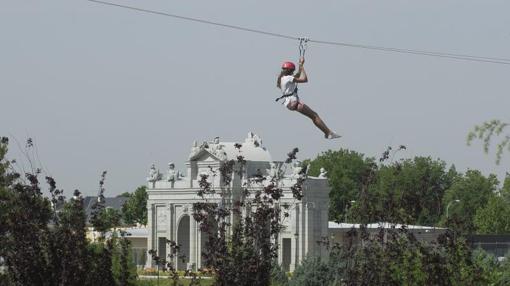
(288, 85)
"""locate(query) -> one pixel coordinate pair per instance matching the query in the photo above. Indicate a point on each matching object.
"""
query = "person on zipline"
(287, 82)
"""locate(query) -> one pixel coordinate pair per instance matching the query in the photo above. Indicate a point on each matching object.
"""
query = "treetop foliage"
(486, 132)
(134, 209)
(408, 191)
(44, 238)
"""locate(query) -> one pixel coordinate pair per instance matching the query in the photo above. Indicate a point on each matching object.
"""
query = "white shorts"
(290, 99)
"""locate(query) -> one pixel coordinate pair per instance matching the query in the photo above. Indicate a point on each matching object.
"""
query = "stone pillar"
(173, 220)
(280, 250)
(168, 226)
(193, 244)
(306, 229)
(199, 248)
(150, 238)
(324, 228)
(295, 238)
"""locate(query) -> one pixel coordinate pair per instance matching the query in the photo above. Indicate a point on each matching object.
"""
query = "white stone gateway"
(171, 199)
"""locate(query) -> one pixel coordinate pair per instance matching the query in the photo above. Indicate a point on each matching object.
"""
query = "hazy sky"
(103, 88)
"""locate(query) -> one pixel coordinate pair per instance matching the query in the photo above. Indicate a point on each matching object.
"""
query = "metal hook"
(303, 45)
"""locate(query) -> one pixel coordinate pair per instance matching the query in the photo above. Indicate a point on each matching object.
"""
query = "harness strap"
(287, 95)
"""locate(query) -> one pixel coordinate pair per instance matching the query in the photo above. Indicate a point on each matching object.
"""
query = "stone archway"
(183, 240)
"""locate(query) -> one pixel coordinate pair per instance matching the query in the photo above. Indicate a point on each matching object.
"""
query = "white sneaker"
(333, 135)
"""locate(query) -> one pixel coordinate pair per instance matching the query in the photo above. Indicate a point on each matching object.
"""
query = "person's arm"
(301, 74)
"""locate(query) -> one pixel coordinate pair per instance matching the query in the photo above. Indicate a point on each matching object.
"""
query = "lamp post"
(449, 204)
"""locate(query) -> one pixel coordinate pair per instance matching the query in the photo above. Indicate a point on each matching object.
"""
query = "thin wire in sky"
(464, 57)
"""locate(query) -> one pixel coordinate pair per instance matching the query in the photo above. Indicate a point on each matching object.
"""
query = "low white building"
(172, 194)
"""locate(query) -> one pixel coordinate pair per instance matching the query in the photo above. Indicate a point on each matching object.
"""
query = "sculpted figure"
(194, 149)
(323, 173)
(274, 172)
(153, 174)
(296, 170)
(173, 175)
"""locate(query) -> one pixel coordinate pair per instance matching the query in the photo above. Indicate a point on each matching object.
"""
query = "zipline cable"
(196, 20)
(494, 60)
(419, 52)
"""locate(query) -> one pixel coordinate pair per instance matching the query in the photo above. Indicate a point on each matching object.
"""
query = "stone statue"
(253, 139)
(323, 173)
(194, 149)
(216, 148)
(257, 141)
(153, 174)
(213, 146)
(172, 173)
(297, 170)
(274, 172)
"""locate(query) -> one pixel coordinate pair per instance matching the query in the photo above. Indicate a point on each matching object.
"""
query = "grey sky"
(103, 88)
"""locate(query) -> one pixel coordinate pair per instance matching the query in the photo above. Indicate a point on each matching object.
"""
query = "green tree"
(473, 190)
(504, 279)
(100, 271)
(396, 257)
(491, 270)
(312, 272)
(345, 172)
(70, 237)
(486, 132)
(494, 217)
(41, 246)
(43, 239)
(123, 267)
(278, 276)
(26, 232)
(505, 190)
(411, 191)
(5, 195)
(134, 209)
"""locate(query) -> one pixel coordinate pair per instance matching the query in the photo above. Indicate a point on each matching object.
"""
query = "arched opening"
(183, 239)
(286, 253)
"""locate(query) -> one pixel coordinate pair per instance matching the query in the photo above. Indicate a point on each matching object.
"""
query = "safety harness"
(287, 95)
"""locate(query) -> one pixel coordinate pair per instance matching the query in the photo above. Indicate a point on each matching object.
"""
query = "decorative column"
(173, 221)
(199, 248)
(324, 228)
(296, 238)
(306, 229)
(168, 234)
(193, 243)
(150, 239)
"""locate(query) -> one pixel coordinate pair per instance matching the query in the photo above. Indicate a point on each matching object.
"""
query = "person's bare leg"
(307, 111)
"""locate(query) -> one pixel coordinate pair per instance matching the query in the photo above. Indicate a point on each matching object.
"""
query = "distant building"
(339, 231)
(171, 197)
(495, 244)
(115, 203)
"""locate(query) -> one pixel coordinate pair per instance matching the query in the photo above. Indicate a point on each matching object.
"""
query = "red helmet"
(288, 66)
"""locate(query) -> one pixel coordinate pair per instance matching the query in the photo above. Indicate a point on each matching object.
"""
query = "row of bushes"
(399, 259)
